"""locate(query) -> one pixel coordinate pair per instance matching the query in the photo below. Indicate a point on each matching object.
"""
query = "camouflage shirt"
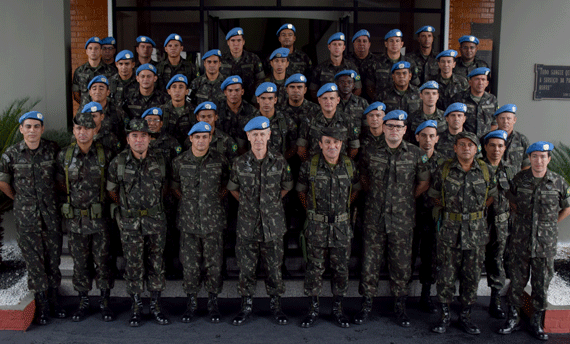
(445, 144)
(301, 113)
(515, 153)
(418, 117)
(177, 121)
(500, 207)
(248, 67)
(109, 141)
(229, 121)
(479, 116)
(205, 90)
(283, 131)
(166, 71)
(427, 65)
(121, 88)
(135, 103)
(366, 67)
(448, 88)
(367, 139)
(222, 143)
(382, 79)
(408, 100)
(166, 145)
(299, 62)
(462, 69)
(326, 71)
(354, 107)
(85, 73)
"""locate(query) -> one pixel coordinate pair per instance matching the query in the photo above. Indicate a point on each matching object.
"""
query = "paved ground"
(381, 329)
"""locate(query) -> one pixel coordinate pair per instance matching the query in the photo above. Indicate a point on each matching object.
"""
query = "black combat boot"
(537, 325)
(155, 309)
(513, 322)
(106, 312)
(83, 309)
(213, 311)
(136, 310)
(426, 303)
(362, 316)
(338, 312)
(313, 314)
(400, 309)
(444, 321)
(191, 307)
(495, 308)
(466, 323)
(42, 308)
(245, 312)
(275, 306)
(56, 311)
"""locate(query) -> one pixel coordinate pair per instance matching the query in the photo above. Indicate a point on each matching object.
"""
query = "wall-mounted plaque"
(551, 82)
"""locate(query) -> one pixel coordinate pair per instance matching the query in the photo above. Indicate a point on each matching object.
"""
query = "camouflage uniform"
(326, 71)
(534, 235)
(445, 144)
(166, 145)
(229, 121)
(135, 103)
(121, 88)
(390, 213)
(177, 121)
(448, 88)
(141, 218)
(515, 153)
(354, 107)
(205, 90)
(427, 65)
(408, 100)
(299, 62)
(248, 67)
(479, 115)
(462, 69)
(382, 79)
(261, 218)
(88, 232)
(109, 141)
(166, 71)
(418, 117)
(328, 231)
(85, 73)
(368, 139)
(201, 217)
(365, 66)
(461, 243)
(31, 174)
(283, 131)
(301, 113)
(114, 120)
(222, 143)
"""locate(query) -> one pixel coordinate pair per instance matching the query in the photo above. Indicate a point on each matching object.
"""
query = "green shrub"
(560, 162)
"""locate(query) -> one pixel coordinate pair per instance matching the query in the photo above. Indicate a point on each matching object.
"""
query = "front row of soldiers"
(470, 196)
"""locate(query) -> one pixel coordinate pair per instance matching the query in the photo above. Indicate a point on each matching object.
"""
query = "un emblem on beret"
(103, 79)
(401, 65)
(486, 72)
(219, 52)
(40, 116)
(401, 117)
(514, 108)
(235, 79)
(239, 32)
(143, 39)
(151, 67)
(128, 56)
(264, 125)
(93, 108)
(352, 75)
(208, 106)
(398, 34)
(505, 136)
(155, 112)
(471, 38)
(302, 78)
(453, 53)
(180, 78)
(429, 29)
(207, 127)
(545, 147)
(379, 108)
(176, 37)
(96, 39)
(341, 37)
(333, 88)
(113, 42)
(289, 26)
(270, 89)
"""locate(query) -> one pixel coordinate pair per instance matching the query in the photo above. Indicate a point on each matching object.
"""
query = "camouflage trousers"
(398, 248)
(144, 253)
(195, 250)
(84, 246)
(338, 258)
(494, 255)
(541, 270)
(248, 253)
(462, 265)
(423, 245)
(42, 254)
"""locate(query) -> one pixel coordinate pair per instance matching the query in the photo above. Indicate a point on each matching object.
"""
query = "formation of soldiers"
(391, 149)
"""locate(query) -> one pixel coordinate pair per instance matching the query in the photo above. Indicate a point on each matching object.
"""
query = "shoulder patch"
(425, 158)
(234, 147)
(178, 149)
(356, 130)
(288, 169)
(118, 145)
(568, 192)
(357, 77)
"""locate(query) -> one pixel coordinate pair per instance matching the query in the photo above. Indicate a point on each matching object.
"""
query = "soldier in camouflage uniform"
(517, 143)
(207, 87)
(364, 60)
(200, 176)
(425, 57)
(162, 142)
(174, 63)
(87, 71)
(401, 95)
(27, 175)
(259, 179)
(125, 81)
(146, 96)
(540, 199)
(468, 61)
(144, 48)
(372, 134)
(299, 61)
(463, 187)
(481, 105)
(325, 71)
(108, 51)
(450, 83)
(177, 112)
(238, 61)
(327, 184)
(81, 172)
(297, 107)
(279, 61)
(136, 183)
(350, 104)
(393, 173)
(329, 116)
(455, 117)
(429, 95)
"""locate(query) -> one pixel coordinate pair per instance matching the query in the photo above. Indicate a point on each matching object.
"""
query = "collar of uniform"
(23, 146)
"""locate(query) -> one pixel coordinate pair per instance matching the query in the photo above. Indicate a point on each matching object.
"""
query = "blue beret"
(286, 26)
(257, 123)
(109, 41)
(266, 87)
(213, 52)
(92, 107)
(375, 106)
(348, 72)
(98, 79)
(234, 79)
(205, 106)
(146, 66)
(200, 127)
(329, 87)
(361, 33)
(124, 55)
(152, 111)
(479, 71)
(454, 108)
(540, 146)
(506, 108)
(145, 39)
(429, 123)
(93, 40)
(468, 38)
(431, 85)
(296, 78)
(339, 36)
(32, 115)
(400, 65)
(426, 28)
(236, 31)
(279, 52)
(398, 115)
(447, 53)
(177, 78)
(496, 134)
(173, 36)
(393, 33)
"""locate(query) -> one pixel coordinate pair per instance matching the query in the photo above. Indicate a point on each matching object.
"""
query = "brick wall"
(472, 17)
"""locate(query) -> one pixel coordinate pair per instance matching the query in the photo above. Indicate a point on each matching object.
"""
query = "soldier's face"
(208, 116)
(138, 141)
(495, 148)
(429, 96)
(212, 64)
(328, 101)
(154, 123)
(236, 44)
(200, 141)
(144, 50)
(279, 64)
(177, 91)
(465, 149)
(345, 84)
(146, 79)
(108, 52)
(287, 38)
(234, 93)
(506, 121)
(394, 45)
(99, 92)
(361, 45)
(394, 131)
(427, 138)
(402, 77)
(173, 48)
(32, 130)
(82, 134)
(336, 48)
(374, 118)
(98, 119)
(539, 162)
(478, 83)
(425, 39)
(296, 91)
(259, 138)
(446, 64)
(125, 68)
(267, 102)
(455, 120)
(468, 50)
(93, 51)
(330, 147)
